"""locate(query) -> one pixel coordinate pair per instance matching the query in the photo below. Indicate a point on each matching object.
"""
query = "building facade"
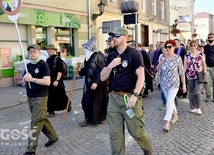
(60, 22)
(152, 26)
(183, 11)
(204, 24)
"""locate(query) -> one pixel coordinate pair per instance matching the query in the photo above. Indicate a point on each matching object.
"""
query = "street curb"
(24, 102)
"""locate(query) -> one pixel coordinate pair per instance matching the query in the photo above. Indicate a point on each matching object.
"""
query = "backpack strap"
(96, 58)
(55, 61)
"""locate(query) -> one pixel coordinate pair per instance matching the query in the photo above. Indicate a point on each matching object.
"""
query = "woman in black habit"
(148, 77)
(57, 98)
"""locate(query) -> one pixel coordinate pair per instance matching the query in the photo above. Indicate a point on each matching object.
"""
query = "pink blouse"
(197, 62)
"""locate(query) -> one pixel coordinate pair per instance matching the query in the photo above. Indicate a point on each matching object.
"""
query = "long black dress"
(57, 98)
(94, 102)
(148, 78)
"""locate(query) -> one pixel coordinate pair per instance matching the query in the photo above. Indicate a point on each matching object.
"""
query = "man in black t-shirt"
(209, 56)
(38, 80)
(124, 69)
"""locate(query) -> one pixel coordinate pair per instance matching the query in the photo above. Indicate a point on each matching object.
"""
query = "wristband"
(136, 94)
(57, 80)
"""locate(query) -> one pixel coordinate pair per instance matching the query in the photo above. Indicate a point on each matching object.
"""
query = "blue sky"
(204, 6)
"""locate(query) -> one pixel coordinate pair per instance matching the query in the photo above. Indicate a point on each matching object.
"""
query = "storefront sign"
(45, 18)
(5, 58)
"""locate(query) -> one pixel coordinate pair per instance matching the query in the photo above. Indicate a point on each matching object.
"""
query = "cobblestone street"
(192, 135)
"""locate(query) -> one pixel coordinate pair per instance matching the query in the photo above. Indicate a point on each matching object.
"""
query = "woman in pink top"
(194, 62)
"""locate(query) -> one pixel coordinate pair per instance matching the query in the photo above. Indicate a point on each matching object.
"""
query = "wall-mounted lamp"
(101, 7)
(176, 23)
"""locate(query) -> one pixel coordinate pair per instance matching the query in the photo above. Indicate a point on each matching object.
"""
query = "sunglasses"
(169, 47)
(210, 37)
(192, 45)
(116, 35)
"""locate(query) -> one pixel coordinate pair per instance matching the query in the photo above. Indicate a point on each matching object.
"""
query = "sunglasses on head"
(169, 47)
(116, 35)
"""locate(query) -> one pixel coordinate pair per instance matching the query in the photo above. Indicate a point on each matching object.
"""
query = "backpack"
(64, 68)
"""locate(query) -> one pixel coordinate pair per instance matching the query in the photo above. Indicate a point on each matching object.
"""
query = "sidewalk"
(15, 95)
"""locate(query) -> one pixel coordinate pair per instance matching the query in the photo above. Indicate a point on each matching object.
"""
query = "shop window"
(64, 39)
(41, 36)
(110, 25)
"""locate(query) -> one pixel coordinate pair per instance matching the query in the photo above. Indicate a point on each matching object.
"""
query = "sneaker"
(163, 107)
(207, 98)
(199, 112)
(194, 111)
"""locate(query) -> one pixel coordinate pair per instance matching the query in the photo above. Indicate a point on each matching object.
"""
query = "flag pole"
(23, 54)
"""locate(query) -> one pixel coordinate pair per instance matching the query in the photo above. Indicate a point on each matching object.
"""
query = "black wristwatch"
(136, 94)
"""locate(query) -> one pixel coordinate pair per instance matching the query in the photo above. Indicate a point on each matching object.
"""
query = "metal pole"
(136, 28)
(98, 36)
(23, 55)
(89, 20)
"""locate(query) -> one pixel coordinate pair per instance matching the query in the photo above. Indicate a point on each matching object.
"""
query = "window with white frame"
(154, 7)
(162, 10)
(112, 1)
(143, 4)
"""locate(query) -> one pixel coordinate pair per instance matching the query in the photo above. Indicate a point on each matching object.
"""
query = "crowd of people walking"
(116, 83)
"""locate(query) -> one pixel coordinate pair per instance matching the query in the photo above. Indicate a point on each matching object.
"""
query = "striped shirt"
(171, 71)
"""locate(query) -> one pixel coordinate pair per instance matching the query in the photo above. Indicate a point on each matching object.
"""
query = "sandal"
(175, 119)
(166, 128)
(84, 123)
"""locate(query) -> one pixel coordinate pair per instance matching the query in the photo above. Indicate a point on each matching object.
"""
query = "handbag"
(200, 77)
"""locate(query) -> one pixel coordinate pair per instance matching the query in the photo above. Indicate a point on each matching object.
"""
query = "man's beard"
(117, 44)
(210, 41)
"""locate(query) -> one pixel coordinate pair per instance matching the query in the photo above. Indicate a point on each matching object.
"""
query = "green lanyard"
(126, 99)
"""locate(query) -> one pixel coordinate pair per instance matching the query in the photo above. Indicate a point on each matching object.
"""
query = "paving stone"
(192, 135)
